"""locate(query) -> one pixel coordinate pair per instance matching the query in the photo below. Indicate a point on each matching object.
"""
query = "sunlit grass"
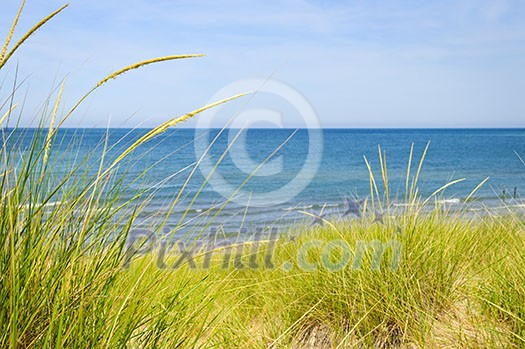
(68, 278)
(458, 284)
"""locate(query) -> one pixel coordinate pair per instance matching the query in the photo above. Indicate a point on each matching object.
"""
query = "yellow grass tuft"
(172, 122)
(11, 31)
(52, 123)
(120, 72)
(7, 114)
(26, 35)
(143, 63)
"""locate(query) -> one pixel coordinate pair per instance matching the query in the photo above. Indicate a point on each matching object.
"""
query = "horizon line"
(274, 128)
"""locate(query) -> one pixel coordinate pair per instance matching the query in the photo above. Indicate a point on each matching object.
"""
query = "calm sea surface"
(272, 177)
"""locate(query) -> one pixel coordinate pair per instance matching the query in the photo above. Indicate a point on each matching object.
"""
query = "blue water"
(472, 154)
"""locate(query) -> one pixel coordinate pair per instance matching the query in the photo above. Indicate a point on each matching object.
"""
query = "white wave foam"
(449, 201)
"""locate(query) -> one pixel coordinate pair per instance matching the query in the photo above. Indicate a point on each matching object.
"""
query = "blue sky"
(359, 63)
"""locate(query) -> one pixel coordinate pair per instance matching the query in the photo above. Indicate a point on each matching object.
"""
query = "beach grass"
(69, 278)
(455, 282)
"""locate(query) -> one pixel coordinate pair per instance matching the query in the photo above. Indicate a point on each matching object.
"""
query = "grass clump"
(446, 291)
